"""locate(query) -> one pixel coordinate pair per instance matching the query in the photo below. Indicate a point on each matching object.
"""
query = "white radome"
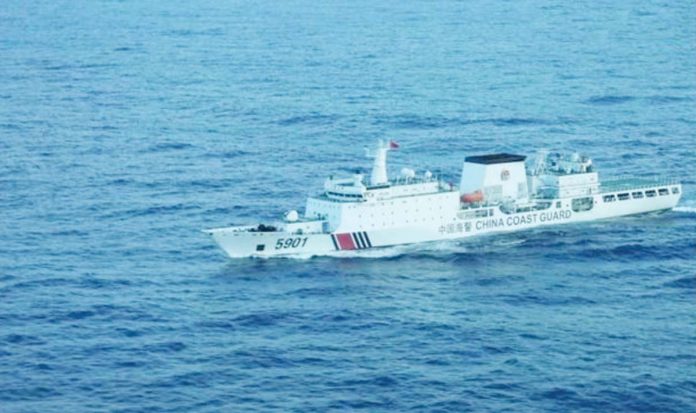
(292, 216)
(497, 193)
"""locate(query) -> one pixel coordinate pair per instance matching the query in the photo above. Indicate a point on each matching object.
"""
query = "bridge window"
(623, 197)
(651, 193)
(609, 198)
(675, 190)
(582, 204)
(481, 213)
(664, 191)
(637, 195)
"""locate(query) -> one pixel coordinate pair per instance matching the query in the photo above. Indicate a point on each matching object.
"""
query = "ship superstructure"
(497, 193)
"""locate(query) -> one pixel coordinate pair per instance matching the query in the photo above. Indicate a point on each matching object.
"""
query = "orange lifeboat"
(476, 196)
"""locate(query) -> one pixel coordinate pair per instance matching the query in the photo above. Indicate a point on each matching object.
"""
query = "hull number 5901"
(284, 243)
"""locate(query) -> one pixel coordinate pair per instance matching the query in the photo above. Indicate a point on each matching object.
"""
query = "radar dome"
(292, 216)
(408, 173)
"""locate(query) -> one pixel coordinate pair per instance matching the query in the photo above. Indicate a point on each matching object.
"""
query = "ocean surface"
(127, 127)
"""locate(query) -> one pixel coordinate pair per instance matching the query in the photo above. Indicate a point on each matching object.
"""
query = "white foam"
(510, 242)
(388, 252)
(689, 209)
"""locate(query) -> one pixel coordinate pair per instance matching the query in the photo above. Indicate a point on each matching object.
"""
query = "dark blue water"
(126, 127)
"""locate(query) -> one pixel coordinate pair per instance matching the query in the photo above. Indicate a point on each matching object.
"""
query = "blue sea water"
(126, 127)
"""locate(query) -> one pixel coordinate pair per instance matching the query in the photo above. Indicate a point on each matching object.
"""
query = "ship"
(497, 193)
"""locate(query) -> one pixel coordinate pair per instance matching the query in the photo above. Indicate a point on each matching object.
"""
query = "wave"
(634, 252)
(157, 210)
(687, 209)
(169, 146)
(688, 283)
(230, 154)
(669, 99)
(23, 339)
(609, 100)
(312, 118)
(431, 122)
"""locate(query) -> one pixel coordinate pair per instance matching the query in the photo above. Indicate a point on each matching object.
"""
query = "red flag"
(393, 145)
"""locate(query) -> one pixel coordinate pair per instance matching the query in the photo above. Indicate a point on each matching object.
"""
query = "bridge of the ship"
(336, 195)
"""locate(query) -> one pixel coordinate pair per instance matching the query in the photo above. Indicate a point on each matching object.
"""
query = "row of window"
(341, 195)
(479, 213)
(651, 193)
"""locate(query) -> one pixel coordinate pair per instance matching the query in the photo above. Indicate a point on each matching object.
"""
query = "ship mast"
(379, 167)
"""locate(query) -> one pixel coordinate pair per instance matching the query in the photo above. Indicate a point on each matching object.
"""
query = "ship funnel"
(494, 178)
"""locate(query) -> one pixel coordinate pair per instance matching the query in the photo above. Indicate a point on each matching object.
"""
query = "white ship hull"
(466, 222)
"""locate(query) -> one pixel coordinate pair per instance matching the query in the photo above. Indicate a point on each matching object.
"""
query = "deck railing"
(611, 184)
(624, 183)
